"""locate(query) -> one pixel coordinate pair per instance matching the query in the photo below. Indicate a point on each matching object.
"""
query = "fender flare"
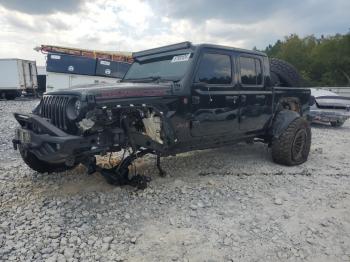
(282, 121)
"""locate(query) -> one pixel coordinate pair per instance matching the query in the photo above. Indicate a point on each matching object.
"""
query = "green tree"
(323, 61)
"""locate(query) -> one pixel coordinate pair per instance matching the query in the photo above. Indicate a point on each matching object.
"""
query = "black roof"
(186, 45)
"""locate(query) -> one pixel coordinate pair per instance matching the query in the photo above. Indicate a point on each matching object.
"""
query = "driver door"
(215, 98)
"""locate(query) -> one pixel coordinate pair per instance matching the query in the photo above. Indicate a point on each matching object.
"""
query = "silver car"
(329, 107)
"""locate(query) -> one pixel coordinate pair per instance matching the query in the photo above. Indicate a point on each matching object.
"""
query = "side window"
(258, 70)
(214, 69)
(251, 72)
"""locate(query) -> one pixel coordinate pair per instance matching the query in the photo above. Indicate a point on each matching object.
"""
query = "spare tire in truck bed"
(283, 72)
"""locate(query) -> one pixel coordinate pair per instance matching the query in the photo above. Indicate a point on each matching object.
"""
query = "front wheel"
(292, 147)
(41, 166)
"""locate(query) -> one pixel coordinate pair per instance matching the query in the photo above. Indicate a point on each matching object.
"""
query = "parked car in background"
(329, 107)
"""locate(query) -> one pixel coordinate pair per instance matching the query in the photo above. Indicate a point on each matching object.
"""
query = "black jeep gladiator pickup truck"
(173, 99)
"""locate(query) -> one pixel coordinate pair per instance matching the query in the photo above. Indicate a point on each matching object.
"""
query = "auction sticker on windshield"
(181, 58)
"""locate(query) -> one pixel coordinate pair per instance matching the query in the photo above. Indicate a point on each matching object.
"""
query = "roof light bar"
(162, 49)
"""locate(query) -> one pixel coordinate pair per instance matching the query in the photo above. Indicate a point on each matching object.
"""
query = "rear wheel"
(292, 147)
(284, 74)
(41, 166)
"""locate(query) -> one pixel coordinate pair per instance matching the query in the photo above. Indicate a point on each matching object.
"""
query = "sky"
(134, 25)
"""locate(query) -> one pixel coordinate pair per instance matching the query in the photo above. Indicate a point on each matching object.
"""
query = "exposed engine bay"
(124, 128)
(143, 121)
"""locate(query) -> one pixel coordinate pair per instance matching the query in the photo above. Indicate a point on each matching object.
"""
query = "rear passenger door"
(255, 98)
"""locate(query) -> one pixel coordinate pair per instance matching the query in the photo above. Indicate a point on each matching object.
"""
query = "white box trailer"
(55, 81)
(16, 76)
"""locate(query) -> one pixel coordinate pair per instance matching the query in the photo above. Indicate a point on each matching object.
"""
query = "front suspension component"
(119, 175)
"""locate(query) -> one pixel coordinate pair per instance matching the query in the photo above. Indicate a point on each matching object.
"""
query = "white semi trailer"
(17, 76)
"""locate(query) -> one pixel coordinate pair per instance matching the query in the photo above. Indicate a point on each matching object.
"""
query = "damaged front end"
(69, 129)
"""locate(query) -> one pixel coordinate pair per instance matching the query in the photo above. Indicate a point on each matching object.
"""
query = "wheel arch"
(281, 121)
(290, 103)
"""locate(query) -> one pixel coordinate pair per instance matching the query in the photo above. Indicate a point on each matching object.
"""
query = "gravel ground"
(227, 204)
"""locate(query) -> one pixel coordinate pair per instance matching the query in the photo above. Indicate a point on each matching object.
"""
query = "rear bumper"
(329, 115)
(47, 142)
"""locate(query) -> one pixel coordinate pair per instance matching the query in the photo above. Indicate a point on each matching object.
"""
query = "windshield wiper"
(154, 78)
(149, 79)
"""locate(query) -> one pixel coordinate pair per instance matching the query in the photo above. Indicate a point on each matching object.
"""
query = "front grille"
(53, 107)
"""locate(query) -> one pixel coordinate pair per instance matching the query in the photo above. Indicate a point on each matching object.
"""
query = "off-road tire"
(274, 79)
(292, 147)
(288, 75)
(41, 166)
(337, 123)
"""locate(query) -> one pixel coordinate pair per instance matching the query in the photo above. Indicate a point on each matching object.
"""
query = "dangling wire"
(133, 163)
(121, 160)
(109, 160)
(134, 166)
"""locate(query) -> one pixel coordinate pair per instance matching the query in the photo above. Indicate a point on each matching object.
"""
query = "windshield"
(166, 67)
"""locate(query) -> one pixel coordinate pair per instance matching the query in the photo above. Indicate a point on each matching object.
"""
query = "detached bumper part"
(45, 141)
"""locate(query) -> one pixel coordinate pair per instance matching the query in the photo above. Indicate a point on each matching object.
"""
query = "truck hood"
(118, 90)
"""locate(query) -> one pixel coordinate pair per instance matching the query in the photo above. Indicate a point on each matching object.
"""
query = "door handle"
(260, 97)
(232, 99)
(195, 123)
(196, 100)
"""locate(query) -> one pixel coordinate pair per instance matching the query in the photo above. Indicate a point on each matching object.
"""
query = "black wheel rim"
(299, 144)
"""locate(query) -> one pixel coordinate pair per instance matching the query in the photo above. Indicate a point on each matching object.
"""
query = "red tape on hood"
(130, 93)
